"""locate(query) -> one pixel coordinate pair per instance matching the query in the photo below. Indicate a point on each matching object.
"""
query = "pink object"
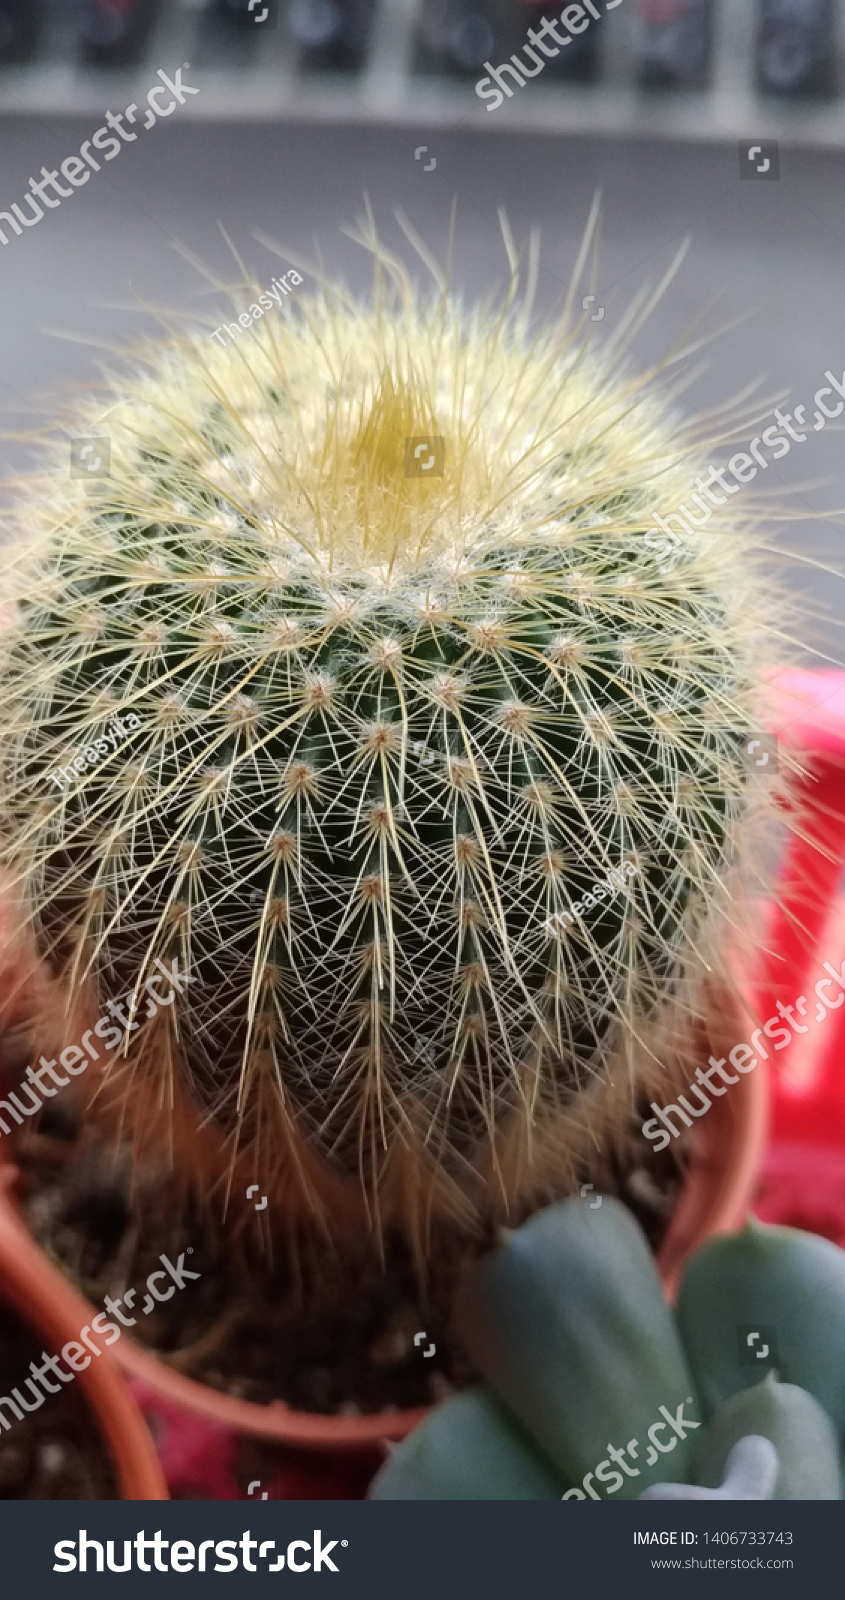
(202, 1460)
(802, 1181)
(197, 1457)
(802, 1185)
(807, 925)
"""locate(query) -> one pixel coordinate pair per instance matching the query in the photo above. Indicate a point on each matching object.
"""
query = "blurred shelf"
(247, 79)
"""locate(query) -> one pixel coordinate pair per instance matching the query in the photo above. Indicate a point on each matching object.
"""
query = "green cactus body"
(390, 726)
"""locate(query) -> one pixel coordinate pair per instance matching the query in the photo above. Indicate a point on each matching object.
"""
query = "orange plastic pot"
(43, 1298)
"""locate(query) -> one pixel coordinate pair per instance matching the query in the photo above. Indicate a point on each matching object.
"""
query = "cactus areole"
(392, 722)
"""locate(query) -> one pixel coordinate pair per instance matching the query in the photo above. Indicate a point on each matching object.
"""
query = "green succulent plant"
(392, 729)
(593, 1388)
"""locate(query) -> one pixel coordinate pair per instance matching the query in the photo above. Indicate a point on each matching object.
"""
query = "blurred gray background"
(769, 252)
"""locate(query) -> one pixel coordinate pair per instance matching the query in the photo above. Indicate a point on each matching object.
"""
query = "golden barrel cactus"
(410, 682)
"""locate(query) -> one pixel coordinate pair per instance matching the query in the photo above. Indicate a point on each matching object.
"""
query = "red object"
(802, 1183)
(806, 929)
(197, 1457)
(202, 1460)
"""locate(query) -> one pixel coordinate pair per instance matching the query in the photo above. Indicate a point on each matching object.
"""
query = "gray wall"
(770, 252)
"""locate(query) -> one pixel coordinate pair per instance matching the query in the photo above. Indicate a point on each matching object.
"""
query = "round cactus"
(408, 683)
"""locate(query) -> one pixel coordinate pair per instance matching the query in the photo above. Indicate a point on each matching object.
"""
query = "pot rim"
(43, 1297)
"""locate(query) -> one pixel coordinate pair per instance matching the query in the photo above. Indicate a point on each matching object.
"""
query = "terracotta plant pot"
(725, 1147)
(47, 1303)
(726, 1154)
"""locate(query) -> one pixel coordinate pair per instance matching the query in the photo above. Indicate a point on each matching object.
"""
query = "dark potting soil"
(366, 1340)
(54, 1453)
